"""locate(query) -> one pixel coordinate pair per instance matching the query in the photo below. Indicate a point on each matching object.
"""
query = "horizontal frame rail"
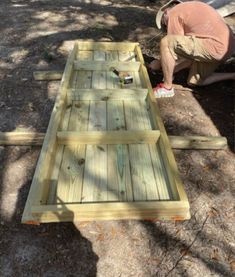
(169, 210)
(107, 94)
(108, 137)
(103, 46)
(106, 65)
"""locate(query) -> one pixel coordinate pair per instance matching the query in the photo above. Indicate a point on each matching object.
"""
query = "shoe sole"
(164, 96)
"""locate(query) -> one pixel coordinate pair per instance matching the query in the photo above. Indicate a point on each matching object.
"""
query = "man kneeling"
(197, 38)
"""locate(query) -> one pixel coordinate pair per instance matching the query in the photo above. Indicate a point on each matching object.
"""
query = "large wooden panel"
(108, 153)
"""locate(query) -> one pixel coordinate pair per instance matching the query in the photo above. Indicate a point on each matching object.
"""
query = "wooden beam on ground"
(177, 142)
(21, 138)
(108, 137)
(198, 142)
(47, 75)
(106, 65)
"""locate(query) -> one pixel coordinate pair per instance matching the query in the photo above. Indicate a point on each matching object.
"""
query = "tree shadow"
(48, 249)
(61, 247)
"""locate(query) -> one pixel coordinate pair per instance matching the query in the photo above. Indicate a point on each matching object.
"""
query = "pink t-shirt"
(200, 20)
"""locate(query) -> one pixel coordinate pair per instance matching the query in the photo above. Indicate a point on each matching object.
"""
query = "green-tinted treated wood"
(70, 179)
(108, 137)
(160, 210)
(58, 159)
(95, 175)
(106, 65)
(198, 142)
(47, 75)
(108, 94)
(163, 185)
(126, 56)
(166, 152)
(39, 188)
(106, 46)
(112, 79)
(119, 179)
(142, 159)
(143, 179)
(177, 142)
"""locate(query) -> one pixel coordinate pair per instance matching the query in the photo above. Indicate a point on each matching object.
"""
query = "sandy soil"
(38, 35)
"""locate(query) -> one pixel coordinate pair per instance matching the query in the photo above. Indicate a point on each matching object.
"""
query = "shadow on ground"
(33, 34)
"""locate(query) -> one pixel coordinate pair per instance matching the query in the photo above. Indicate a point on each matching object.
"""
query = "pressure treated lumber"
(198, 142)
(106, 46)
(106, 65)
(39, 187)
(108, 137)
(107, 94)
(47, 75)
(177, 142)
(161, 210)
(89, 179)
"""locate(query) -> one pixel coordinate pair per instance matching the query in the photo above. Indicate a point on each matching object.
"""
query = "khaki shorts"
(191, 48)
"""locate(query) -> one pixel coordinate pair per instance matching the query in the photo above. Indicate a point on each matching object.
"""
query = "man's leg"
(167, 63)
(180, 64)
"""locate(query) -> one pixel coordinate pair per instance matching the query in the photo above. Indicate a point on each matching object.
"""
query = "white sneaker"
(160, 91)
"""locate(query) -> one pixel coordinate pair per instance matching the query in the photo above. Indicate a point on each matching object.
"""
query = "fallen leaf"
(184, 252)
(232, 265)
(100, 237)
(215, 255)
(113, 232)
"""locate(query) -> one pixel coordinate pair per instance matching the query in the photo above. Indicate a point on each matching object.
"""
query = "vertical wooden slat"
(112, 79)
(71, 174)
(144, 184)
(95, 175)
(119, 179)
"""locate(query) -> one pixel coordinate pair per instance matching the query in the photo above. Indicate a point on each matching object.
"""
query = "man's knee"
(164, 42)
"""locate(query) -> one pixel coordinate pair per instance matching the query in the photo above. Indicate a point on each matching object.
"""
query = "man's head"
(162, 13)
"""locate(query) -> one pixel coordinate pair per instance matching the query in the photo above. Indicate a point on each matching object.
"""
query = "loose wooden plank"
(47, 75)
(144, 183)
(108, 94)
(106, 65)
(161, 210)
(39, 188)
(198, 142)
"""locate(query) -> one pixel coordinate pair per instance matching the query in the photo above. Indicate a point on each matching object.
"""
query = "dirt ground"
(37, 35)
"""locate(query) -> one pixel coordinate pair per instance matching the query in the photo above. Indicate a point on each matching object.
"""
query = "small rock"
(2, 104)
